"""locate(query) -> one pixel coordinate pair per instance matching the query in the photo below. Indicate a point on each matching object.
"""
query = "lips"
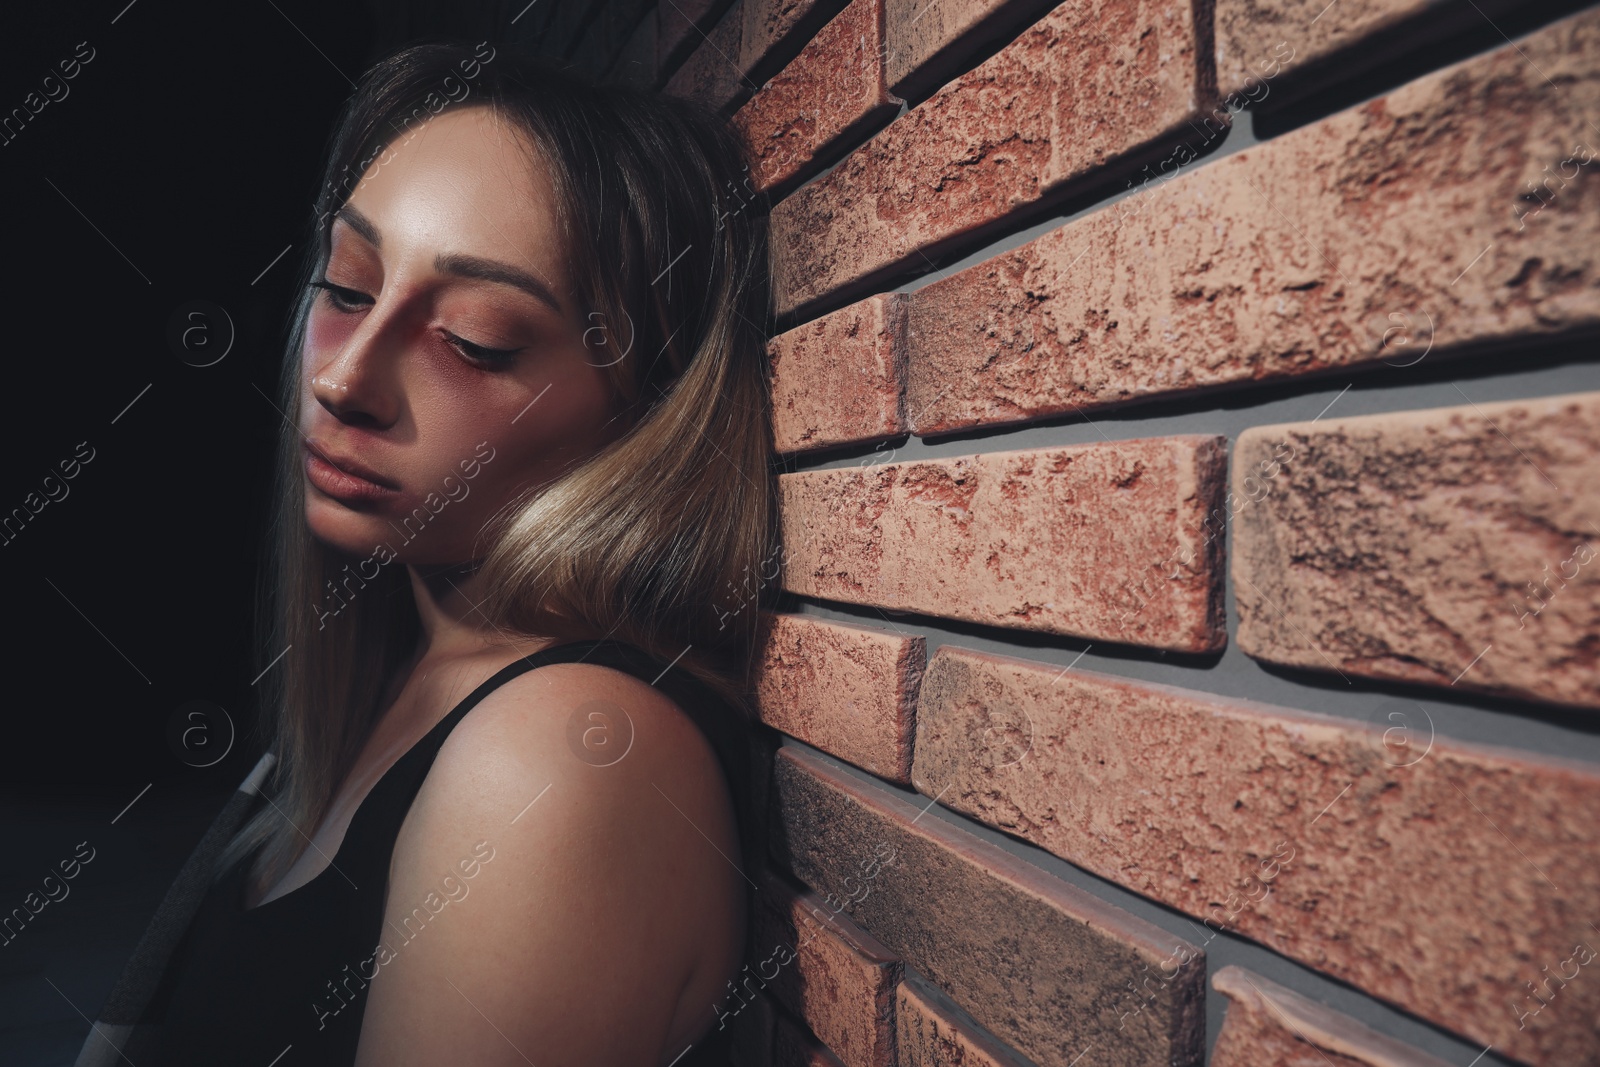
(343, 478)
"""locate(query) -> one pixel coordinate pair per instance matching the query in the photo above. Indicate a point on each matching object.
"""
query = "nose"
(360, 384)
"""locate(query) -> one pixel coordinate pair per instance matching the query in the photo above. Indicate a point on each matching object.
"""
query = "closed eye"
(478, 353)
(341, 299)
(347, 301)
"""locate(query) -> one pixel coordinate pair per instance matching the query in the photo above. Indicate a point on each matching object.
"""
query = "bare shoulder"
(604, 910)
(622, 755)
(603, 717)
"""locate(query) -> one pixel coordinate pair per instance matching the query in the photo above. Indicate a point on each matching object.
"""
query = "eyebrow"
(361, 224)
(460, 265)
(489, 270)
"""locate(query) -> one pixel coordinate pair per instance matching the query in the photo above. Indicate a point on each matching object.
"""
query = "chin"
(352, 532)
(403, 539)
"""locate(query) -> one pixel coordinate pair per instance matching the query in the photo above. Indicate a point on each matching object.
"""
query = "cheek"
(326, 333)
(521, 455)
(448, 398)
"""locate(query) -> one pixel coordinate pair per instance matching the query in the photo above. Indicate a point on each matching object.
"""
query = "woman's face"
(446, 370)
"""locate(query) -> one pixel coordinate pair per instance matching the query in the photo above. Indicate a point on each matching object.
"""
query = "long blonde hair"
(666, 537)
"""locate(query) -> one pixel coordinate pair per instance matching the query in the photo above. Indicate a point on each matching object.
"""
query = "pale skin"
(610, 918)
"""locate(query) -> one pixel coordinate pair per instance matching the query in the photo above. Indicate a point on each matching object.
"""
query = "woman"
(523, 486)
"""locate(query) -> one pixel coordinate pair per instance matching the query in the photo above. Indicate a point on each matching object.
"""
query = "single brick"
(848, 690)
(931, 1030)
(1372, 237)
(1038, 962)
(830, 94)
(926, 40)
(793, 1047)
(840, 379)
(1086, 84)
(1321, 838)
(711, 75)
(774, 30)
(828, 972)
(1267, 1023)
(1314, 42)
(1081, 540)
(1452, 547)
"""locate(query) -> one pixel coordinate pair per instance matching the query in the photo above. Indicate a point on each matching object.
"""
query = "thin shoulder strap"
(717, 720)
(566, 652)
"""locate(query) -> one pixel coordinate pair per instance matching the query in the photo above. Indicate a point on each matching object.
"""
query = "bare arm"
(599, 922)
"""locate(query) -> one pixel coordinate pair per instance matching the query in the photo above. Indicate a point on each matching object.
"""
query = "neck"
(447, 598)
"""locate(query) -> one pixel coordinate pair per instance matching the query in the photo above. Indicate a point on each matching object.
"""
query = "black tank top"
(284, 983)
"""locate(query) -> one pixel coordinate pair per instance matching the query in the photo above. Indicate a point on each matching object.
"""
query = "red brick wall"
(1190, 642)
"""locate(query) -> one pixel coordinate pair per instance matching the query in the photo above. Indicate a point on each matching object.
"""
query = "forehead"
(464, 181)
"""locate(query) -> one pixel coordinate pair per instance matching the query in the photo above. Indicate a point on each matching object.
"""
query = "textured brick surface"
(932, 1031)
(1251, 34)
(745, 38)
(1041, 539)
(1323, 839)
(1085, 84)
(841, 378)
(828, 972)
(794, 1047)
(711, 74)
(926, 39)
(1268, 1024)
(1355, 240)
(1455, 546)
(848, 690)
(830, 93)
(1340, 38)
(1039, 963)
(772, 27)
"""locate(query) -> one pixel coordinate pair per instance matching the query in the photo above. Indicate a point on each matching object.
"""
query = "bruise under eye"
(476, 333)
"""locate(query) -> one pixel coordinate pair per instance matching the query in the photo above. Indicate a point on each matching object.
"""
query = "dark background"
(183, 160)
